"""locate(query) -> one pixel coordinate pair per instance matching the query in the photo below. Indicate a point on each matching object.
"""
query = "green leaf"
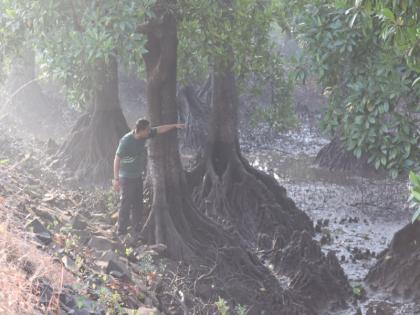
(388, 14)
(414, 179)
(415, 195)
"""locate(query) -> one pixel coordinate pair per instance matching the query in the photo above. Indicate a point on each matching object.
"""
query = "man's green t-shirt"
(133, 155)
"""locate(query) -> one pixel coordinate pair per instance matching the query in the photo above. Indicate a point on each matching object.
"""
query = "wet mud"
(355, 216)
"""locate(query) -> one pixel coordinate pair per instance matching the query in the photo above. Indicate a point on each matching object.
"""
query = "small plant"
(414, 198)
(240, 309)
(108, 199)
(4, 161)
(222, 306)
(112, 300)
(358, 291)
(146, 264)
(128, 251)
(80, 302)
(79, 262)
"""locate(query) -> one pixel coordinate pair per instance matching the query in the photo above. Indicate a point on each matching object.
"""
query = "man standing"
(129, 162)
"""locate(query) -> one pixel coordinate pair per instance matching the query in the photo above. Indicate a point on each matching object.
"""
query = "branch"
(150, 26)
(76, 21)
(143, 28)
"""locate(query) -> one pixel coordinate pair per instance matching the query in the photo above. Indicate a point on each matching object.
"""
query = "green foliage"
(358, 291)
(111, 299)
(240, 309)
(372, 100)
(237, 34)
(72, 37)
(222, 306)
(279, 113)
(414, 198)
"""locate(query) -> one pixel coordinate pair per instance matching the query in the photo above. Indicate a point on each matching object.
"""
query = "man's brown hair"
(142, 124)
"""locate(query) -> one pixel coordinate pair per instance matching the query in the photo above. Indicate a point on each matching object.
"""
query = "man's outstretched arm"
(165, 128)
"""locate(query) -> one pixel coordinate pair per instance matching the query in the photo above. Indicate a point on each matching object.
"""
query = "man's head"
(142, 129)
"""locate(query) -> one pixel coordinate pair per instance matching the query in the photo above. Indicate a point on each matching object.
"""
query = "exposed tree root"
(398, 268)
(334, 156)
(317, 278)
(88, 153)
(247, 201)
(224, 268)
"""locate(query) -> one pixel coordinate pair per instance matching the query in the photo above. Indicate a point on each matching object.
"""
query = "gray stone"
(78, 222)
(118, 269)
(69, 263)
(40, 231)
(83, 236)
(101, 243)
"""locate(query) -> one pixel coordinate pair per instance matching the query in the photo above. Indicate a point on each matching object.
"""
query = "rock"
(42, 288)
(118, 269)
(43, 213)
(67, 300)
(40, 231)
(69, 264)
(101, 243)
(83, 236)
(160, 249)
(78, 222)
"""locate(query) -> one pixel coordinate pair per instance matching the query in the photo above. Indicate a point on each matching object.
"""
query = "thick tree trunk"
(229, 190)
(253, 205)
(88, 152)
(229, 270)
(26, 100)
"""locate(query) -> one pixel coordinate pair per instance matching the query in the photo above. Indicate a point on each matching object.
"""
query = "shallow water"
(363, 213)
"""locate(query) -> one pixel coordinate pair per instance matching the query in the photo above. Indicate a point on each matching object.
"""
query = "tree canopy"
(365, 57)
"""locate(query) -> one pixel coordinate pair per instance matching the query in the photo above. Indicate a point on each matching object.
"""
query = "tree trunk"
(226, 268)
(27, 102)
(253, 205)
(89, 151)
(229, 190)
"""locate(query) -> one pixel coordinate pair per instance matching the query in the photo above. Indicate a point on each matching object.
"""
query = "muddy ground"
(355, 216)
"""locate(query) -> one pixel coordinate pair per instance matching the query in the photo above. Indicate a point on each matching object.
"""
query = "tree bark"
(88, 152)
(231, 191)
(27, 101)
(229, 270)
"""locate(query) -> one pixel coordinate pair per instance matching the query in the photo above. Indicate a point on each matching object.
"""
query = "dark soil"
(397, 270)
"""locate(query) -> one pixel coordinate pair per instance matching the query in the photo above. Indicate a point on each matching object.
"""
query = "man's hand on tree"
(180, 126)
